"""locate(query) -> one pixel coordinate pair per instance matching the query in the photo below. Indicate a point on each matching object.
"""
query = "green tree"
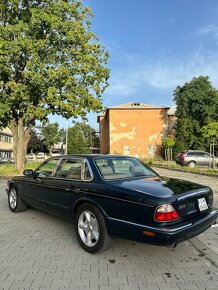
(80, 138)
(168, 143)
(50, 63)
(35, 143)
(197, 105)
(51, 135)
(210, 132)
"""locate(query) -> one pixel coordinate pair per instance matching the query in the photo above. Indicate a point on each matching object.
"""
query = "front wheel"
(91, 229)
(14, 201)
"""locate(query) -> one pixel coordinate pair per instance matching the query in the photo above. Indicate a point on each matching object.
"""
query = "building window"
(5, 154)
(151, 150)
(5, 138)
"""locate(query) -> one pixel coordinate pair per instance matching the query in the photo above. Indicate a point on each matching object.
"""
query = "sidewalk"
(40, 251)
(207, 242)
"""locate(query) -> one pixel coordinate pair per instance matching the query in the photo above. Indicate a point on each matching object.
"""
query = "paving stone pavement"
(40, 251)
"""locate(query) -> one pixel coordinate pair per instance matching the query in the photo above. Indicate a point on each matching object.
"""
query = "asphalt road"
(40, 251)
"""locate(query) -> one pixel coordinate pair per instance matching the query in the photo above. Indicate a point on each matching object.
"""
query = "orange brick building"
(134, 129)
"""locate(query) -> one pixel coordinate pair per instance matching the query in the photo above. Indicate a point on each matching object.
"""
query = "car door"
(35, 187)
(65, 187)
(203, 158)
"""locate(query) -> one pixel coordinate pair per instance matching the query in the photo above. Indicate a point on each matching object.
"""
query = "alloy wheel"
(88, 228)
(13, 198)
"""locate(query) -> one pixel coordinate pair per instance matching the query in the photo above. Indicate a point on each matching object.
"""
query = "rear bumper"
(163, 236)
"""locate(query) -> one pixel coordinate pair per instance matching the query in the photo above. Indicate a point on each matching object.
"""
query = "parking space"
(40, 251)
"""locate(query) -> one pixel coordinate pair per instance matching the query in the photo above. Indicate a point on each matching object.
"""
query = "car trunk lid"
(187, 198)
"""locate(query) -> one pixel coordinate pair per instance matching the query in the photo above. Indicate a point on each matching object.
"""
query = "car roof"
(91, 156)
(185, 151)
(196, 151)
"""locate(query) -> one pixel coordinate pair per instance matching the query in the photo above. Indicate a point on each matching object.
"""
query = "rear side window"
(70, 169)
(191, 154)
(200, 154)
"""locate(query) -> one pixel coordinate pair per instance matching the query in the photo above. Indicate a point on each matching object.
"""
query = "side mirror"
(28, 172)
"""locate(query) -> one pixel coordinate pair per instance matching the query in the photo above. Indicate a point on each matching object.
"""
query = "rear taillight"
(182, 156)
(166, 213)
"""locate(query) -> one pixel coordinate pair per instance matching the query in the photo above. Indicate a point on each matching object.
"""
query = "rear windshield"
(119, 168)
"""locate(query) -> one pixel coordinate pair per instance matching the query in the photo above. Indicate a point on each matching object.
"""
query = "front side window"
(116, 168)
(70, 169)
(48, 168)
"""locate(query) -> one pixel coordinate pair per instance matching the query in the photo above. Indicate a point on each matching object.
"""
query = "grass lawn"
(169, 165)
(8, 170)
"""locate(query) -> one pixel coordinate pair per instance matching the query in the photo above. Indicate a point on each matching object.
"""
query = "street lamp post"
(66, 137)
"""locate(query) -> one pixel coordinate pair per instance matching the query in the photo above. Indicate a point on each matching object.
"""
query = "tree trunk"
(21, 137)
(50, 150)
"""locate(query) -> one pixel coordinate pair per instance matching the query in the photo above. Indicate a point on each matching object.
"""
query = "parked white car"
(40, 155)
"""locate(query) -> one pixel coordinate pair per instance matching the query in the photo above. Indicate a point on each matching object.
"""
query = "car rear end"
(188, 215)
(181, 158)
(175, 211)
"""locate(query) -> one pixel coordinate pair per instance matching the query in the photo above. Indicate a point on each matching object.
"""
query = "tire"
(91, 230)
(192, 164)
(14, 201)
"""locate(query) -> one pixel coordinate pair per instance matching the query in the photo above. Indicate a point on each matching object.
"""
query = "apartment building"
(6, 143)
(134, 129)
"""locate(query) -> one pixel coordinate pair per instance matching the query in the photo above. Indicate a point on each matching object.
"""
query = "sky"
(154, 46)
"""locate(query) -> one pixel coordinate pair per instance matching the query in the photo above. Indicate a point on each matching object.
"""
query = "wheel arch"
(11, 184)
(81, 201)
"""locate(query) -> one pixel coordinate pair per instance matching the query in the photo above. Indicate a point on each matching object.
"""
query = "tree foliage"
(197, 106)
(51, 135)
(210, 131)
(168, 142)
(35, 143)
(50, 63)
(80, 138)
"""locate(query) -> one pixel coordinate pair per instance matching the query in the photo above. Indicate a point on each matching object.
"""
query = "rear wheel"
(192, 164)
(14, 201)
(91, 229)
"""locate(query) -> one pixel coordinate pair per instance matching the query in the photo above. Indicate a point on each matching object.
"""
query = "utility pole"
(66, 136)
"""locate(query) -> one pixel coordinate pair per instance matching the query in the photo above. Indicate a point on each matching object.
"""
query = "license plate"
(202, 204)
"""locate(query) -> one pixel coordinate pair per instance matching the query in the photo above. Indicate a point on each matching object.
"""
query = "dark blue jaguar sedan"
(110, 195)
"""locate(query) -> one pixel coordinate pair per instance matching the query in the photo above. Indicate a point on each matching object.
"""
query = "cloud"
(210, 29)
(136, 76)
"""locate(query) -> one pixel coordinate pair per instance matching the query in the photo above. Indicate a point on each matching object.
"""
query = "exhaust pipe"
(173, 246)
